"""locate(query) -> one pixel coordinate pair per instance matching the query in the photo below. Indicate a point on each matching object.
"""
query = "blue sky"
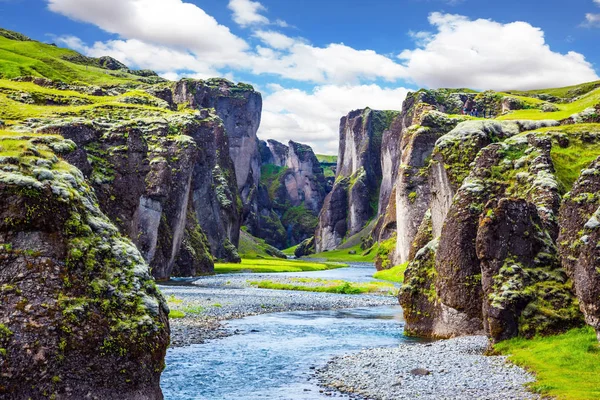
(315, 60)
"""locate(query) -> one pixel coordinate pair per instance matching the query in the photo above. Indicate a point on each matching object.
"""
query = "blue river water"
(275, 354)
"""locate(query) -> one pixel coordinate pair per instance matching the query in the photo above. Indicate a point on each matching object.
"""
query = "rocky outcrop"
(352, 201)
(497, 249)
(168, 183)
(291, 194)
(307, 247)
(578, 241)
(239, 107)
(79, 312)
(413, 192)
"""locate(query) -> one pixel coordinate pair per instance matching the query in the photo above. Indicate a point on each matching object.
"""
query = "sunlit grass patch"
(328, 286)
(394, 274)
(567, 366)
(274, 265)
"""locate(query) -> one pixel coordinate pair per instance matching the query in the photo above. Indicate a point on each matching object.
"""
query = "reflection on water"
(272, 358)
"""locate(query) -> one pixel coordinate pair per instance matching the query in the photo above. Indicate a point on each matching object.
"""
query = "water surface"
(273, 357)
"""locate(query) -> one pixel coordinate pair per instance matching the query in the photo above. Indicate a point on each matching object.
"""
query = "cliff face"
(168, 184)
(578, 241)
(239, 107)
(494, 221)
(291, 193)
(406, 149)
(352, 201)
(79, 311)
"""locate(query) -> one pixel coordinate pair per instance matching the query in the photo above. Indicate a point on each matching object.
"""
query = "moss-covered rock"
(79, 310)
(578, 241)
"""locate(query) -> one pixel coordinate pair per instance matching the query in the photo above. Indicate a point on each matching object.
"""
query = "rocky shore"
(444, 370)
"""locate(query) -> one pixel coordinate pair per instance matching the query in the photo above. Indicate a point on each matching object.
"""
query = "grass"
(571, 160)
(33, 58)
(328, 286)
(274, 265)
(290, 250)
(251, 247)
(327, 159)
(176, 314)
(394, 274)
(11, 110)
(566, 366)
(564, 92)
(343, 255)
(590, 99)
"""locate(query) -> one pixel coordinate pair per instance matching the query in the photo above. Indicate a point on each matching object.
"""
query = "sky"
(316, 60)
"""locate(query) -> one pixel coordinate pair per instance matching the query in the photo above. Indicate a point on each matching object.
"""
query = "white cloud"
(275, 39)
(483, 54)
(313, 117)
(247, 12)
(335, 63)
(592, 20)
(172, 23)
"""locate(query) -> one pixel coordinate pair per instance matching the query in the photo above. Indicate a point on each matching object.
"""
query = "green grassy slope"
(31, 58)
(567, 366)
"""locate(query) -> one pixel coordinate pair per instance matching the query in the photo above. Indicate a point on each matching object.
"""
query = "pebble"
(226, 297)
(444, 370)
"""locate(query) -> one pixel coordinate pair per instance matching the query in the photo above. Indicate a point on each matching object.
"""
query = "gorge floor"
(280, 344)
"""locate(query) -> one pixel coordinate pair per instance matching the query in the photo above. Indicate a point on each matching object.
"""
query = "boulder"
(80, 314)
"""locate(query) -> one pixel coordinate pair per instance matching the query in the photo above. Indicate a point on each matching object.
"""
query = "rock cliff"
(79, 311)
(291, 193)
(167, 182)
(353, 199)
(239, 107)
(496, 236)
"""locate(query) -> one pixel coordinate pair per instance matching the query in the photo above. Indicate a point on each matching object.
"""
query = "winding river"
(275, 355)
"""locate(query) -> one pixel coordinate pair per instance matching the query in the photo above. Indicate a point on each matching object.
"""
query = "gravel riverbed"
(443, 370)
(228, 297)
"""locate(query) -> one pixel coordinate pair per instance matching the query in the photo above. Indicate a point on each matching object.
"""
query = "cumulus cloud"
(173, 23)
(313, 117)
(486, 54)
(247, 12)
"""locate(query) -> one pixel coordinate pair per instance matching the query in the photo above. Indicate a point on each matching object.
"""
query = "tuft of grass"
(174, 300)
(175, 314)
(328, 286)
(394, 274)
(274, 265)
(567, 366)
(344, 255)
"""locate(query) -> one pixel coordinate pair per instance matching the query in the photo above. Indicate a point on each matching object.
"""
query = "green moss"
(384, 250)
(566, 367)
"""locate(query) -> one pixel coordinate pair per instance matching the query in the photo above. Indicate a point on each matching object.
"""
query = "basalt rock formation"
(578, 241)
(80, 316)
(492, 264)
(168, 183)
(291, 193)
(239, 107)
(353, 200)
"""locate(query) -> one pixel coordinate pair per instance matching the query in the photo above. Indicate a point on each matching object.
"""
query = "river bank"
(443, 370)
(206, 308)
(344, 346)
